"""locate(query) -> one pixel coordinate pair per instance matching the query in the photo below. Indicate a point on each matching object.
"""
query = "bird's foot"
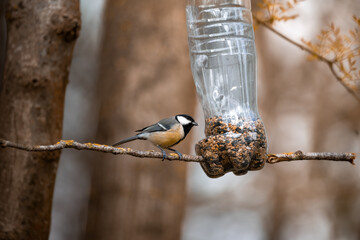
(163, 153)
(177, 152)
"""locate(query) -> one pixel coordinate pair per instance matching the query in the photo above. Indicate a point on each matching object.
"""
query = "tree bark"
(3, 37)
(144, 76)
(41, 37)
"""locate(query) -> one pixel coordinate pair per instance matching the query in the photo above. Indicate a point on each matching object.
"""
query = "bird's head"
(186, 121)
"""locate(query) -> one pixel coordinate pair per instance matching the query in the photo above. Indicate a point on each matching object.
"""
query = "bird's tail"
(127, 140)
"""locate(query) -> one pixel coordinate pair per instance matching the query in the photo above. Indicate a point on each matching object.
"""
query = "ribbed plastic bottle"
(223, 63)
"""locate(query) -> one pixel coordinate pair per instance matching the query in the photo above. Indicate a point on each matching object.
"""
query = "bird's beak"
(195, 124)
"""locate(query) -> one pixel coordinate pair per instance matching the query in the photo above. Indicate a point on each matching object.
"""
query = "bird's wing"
(161, 126)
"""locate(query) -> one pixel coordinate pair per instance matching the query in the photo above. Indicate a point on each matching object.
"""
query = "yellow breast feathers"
(167, 138)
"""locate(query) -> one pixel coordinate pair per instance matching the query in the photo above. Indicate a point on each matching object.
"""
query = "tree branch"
(100, 148)
(299, 155)
(330, 63)
(272, 158)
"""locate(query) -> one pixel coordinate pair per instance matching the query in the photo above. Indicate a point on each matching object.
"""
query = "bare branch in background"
(340, 51)
(272, 158)
(330, 63)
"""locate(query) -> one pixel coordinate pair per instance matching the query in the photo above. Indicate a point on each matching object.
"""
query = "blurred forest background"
(131, 68)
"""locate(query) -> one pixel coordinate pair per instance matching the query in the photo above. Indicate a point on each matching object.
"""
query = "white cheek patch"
(183, 121)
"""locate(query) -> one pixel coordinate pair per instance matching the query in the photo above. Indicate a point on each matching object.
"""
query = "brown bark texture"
(41, 37)
(144, 76)
(2, 38)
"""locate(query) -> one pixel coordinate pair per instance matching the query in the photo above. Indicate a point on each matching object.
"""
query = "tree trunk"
(2, 39)
(144, 76)
(41, 37)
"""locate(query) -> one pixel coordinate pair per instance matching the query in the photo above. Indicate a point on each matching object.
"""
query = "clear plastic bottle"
(223, 62)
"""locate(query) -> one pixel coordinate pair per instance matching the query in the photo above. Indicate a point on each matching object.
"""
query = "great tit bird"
(165, 133)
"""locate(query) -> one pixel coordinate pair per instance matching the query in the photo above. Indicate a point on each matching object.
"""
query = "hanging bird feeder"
(223, 63)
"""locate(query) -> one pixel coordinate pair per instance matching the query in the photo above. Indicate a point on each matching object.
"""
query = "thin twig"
(272, 158)
(299, 155)
(347, 87)
(302, 47)
(330, 63)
